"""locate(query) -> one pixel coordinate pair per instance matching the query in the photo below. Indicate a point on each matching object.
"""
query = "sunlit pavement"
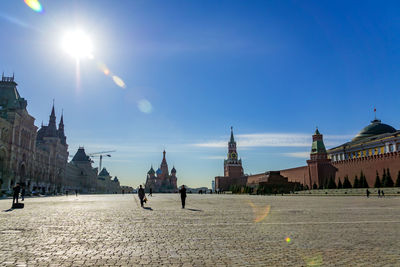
(219, 230)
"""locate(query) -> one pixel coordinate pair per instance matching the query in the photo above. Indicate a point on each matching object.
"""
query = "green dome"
(151, 171)
(375, 128)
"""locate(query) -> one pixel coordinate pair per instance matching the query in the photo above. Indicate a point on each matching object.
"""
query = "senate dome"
(375, 128)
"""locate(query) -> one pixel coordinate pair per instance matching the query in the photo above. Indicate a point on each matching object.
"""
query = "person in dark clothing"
(66, 193)
(379, 193)
(23, 193)
(368, 193)
(141, 195)
(151, 192)
(76, 192)
(183, 196)
(383, 193)
(16, 190)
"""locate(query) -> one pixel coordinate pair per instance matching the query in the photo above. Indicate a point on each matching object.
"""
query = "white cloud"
(276, 140)
(303, 155)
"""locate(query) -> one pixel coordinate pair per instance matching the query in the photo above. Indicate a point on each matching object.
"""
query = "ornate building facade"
(39, 159)
(17, 137)
(161, 181)
(51, 156)
(106, 184)
(80, 174)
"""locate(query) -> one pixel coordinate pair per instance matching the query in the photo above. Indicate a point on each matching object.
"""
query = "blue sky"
(274, 70)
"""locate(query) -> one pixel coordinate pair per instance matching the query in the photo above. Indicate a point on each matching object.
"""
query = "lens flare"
(288, 240)
(118, 81)
(260, 213)
(103, 68)
(145, 106)
(34, 5)
(314, 261)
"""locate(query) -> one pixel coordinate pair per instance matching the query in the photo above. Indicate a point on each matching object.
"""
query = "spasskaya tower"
(232, 165)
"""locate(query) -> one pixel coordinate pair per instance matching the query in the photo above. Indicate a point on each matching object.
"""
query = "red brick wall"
(299, 174)
(256, 179)
(369, 166)
(224, 183)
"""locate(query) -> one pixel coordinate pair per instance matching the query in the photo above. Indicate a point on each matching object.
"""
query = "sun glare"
(77, 44)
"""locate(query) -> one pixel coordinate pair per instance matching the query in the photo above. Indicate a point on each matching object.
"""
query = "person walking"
(151, 192)
(23, 193)
(16, 190)
(141, 195)
(383, 193)
(76, 192)
(379, 193)
(368, 193)
(183, 195)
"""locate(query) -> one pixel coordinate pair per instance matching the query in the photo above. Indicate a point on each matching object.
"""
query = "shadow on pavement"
(147, 208)
(8, 210)
(194, 210)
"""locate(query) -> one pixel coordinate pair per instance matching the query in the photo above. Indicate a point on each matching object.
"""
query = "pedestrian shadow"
(194, 210)
(147, 208)
(11, 209)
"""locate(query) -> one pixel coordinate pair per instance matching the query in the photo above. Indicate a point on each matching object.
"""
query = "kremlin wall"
(375, 148)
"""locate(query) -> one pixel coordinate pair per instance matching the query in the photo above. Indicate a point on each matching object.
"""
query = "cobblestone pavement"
(214, 230)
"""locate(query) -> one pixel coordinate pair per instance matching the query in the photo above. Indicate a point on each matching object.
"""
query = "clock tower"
(232, 165)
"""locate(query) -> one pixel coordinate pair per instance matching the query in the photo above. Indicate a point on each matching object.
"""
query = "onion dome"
(173, 170)
(151, 171)
(375, 128)
(158, 171)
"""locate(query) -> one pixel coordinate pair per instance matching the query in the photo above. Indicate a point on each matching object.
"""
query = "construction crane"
(101, 154)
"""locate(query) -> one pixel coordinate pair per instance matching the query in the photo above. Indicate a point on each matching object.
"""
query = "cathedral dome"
(151, 171)
(158, 171)
(375, 128)
(173, 170)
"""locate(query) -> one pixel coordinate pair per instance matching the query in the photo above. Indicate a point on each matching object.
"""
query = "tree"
(383, 181)
(388, 181)
(398, 180)
(346, 182)
(326, 183)
(339, 185)
(363, 181)
(378, 181)
(356, 183)
(314, 186)
(331, 183)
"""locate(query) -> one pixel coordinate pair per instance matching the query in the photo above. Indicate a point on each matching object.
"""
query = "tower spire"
(232, 138)
(52, 128)
(62, 118)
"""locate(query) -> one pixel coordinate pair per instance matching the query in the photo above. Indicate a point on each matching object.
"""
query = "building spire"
(62, 118)
(232, 138)
(52, 128)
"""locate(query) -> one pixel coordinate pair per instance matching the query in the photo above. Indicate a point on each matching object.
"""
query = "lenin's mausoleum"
(375, 148)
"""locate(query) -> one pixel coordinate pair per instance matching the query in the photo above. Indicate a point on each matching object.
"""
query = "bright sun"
(77, 44)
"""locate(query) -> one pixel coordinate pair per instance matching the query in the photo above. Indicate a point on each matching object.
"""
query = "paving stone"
(214, 230)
